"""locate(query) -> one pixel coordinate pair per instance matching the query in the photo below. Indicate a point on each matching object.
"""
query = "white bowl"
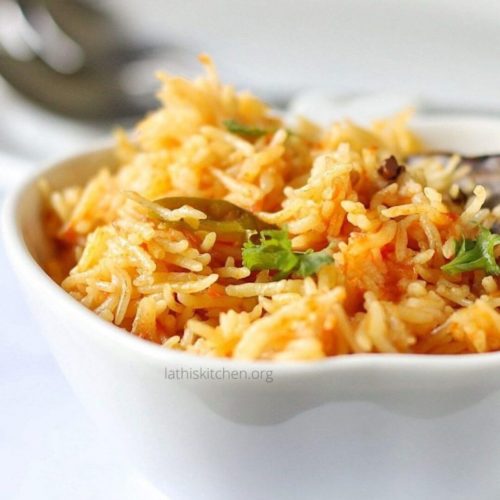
(377, 426)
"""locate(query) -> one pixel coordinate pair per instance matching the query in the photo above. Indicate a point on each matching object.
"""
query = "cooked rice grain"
(133, 264)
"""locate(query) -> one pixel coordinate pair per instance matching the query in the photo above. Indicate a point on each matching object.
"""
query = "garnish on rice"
(473, 255)
(274, 252)
(245, 130)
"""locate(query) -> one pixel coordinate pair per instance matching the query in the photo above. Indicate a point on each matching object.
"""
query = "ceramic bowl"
(353, 427)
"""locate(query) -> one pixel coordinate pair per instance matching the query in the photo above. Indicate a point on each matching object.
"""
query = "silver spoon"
(74, 60)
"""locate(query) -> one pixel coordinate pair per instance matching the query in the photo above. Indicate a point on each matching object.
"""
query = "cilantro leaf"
(475, 255)
(246, 130)
(274, 252)
(311, 262)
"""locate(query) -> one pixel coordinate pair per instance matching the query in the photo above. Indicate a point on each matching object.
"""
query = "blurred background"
(71, 70)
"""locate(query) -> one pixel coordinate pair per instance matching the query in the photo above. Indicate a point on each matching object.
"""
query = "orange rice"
(383, 292)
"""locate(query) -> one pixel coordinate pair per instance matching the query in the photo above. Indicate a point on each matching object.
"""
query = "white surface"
(49, 448)
(443, 50)
(384, 426)
(29, 135)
